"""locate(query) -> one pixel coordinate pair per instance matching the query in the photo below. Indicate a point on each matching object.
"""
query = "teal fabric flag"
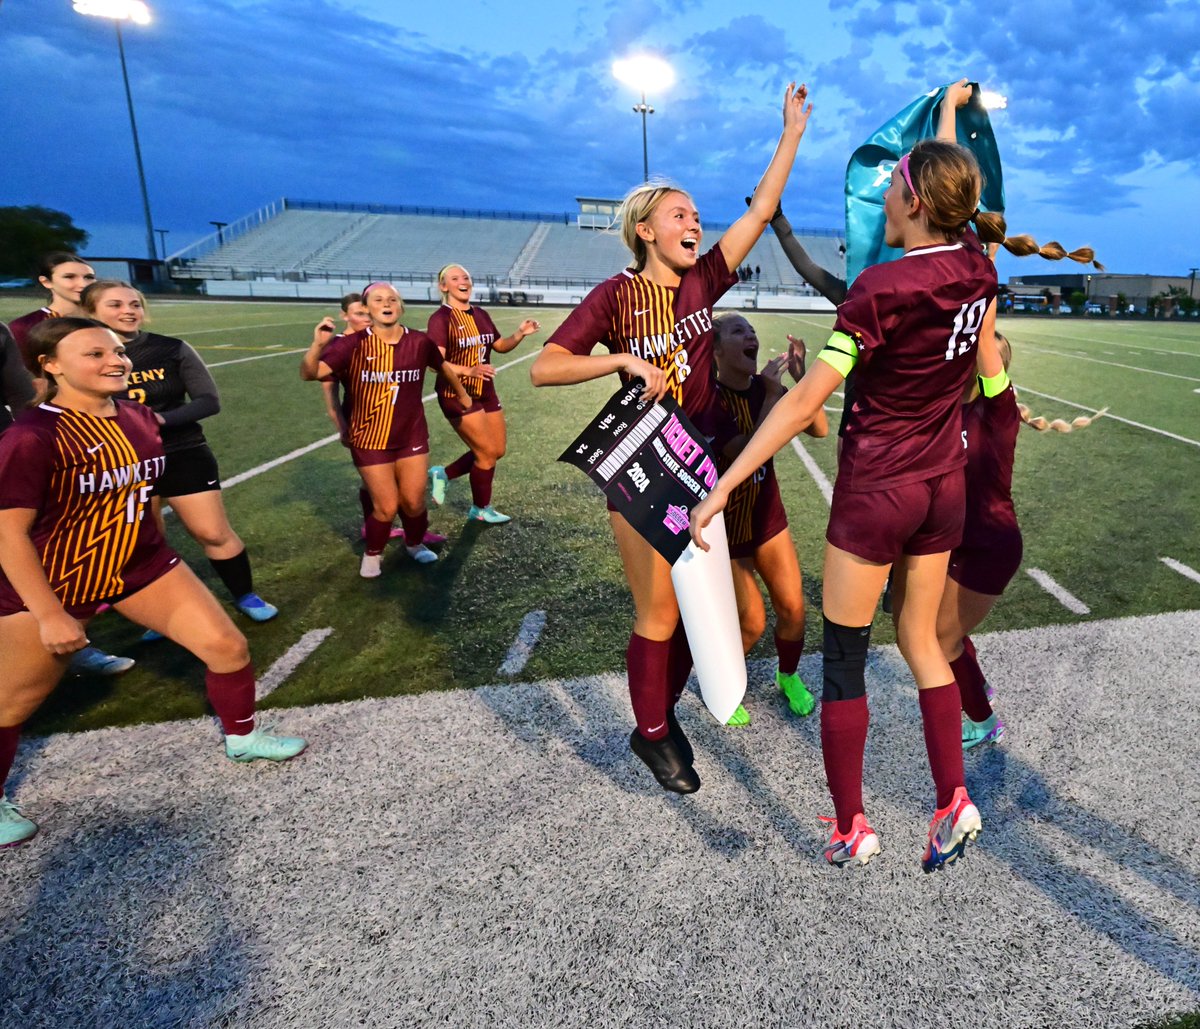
(870, 170)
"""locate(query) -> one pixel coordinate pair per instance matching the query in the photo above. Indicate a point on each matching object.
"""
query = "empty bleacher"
(320, 250)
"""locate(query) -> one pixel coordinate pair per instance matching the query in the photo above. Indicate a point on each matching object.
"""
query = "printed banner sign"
(651, 463)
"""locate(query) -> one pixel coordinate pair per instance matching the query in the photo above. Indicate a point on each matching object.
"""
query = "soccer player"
(914, 330)
(382, 369)
(169, 377)
(655, 319)
(466, 335)
(755, 520)
(16, 384)
(66, 277)
(76, 474)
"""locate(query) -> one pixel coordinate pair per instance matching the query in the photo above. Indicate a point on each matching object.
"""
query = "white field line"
(1068, 600)
(1181, 568)
(290, 660)
(239, 328)
(259, 357)
(1111, 364)
(1104, 341)
(522, 647)
(301, 451)
(814, 470)
(1110, 415)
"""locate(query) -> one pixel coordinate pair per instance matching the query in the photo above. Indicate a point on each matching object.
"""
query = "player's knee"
(789, 617)
(845, 653)
(214, 538)
(227, 650)
(754, 624)
(384, 512)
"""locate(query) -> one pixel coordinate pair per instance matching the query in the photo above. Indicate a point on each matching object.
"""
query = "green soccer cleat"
(487, 514)
(799, 699)
(437, 484)
(261, 745)
(15, 828)
(740, 717)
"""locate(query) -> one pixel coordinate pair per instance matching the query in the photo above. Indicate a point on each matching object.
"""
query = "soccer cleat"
(799, 699)
(371, 567)
(682, 743)
(740, 717)
(437, 484)
(950, 829)
(857, 846)
(662, 757)
(397, 533)
(15, 828)
(253, 606)
(990, 730)
(152, 636)
(432, 538)
(262, 745)
(93, 661)
(487, 514)
(421, 554)
(988, 691)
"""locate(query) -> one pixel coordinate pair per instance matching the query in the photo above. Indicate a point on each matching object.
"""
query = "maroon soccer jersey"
(991, 425)
(669, 326)
(915, 322)
(89, 480)
(20, 330)
(383, 383)
(755, 512)
(466, 338)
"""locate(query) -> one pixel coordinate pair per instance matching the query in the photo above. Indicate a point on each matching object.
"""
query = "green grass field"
(1099, 508)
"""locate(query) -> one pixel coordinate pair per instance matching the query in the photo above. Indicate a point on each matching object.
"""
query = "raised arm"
(311, 365)
(956, 96)
(741, 236)
(797, 351)
(823, 281)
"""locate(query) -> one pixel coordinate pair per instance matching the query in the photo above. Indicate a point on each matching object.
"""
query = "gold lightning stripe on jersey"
(463, 327)
(644, 324)
(97, 531)
(374, 403)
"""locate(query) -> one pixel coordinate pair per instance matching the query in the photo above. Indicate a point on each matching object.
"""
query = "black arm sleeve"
(16, 385)
(200, 387)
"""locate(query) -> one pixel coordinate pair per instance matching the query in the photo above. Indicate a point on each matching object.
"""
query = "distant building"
(139, 271)
(1099, 288)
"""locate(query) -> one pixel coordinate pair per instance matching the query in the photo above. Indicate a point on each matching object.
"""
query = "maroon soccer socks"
(232, 697)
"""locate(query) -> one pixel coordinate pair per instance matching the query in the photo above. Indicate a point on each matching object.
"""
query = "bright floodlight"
(993, 101)
(119, 10)
(644, 72)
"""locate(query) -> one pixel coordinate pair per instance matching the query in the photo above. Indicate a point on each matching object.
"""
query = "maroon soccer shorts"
(920, 518)
(767, 521)
(363, 458)
(137, 577)
(453, 409)
(988, 569)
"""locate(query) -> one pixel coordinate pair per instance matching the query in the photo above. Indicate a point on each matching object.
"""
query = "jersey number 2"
(967, 324)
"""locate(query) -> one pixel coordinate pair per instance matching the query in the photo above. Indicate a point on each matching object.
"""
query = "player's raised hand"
(325, 330)
(795, 114)
(772, 372)
(959, 93)
(528, 327)
(797, 352)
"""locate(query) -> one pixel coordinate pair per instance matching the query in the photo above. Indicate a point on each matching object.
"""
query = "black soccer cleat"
(662, 757)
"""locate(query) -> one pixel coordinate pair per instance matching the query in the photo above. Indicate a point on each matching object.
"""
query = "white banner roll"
(704, 588)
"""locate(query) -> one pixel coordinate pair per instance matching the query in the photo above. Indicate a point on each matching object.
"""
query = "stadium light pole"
(647, 74)
(220, 227)
(162, 238)
(137, 12)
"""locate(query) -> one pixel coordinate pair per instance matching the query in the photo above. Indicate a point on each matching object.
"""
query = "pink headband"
(903, 166)
(367, 292)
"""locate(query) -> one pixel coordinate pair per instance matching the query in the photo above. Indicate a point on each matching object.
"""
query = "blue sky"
(512, 105)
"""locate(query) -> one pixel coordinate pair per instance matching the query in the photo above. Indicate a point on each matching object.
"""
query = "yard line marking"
(317, 444)
(258, 357)
(1068, 600)
(1111, 416)
(1181, 568)
(290, 660)
(814, 470)
(1114, 364)
(225, 346)
(527, 636)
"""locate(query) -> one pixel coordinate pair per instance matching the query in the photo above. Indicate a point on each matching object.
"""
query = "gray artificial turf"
(496, 857)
